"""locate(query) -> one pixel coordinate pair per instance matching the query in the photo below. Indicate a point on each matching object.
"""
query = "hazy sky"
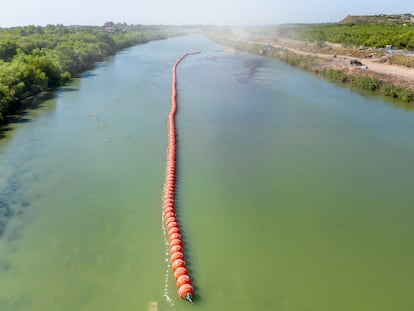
(97, 12)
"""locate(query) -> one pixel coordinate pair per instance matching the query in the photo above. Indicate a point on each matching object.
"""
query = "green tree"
(8, 49)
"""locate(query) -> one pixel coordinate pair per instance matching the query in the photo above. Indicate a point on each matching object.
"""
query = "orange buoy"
(175, 235)
(172, 225)
(186, 291)
(183, 279)
(173, 230)
(169, 214)
(176, 242)
(170, 220)
(175, 248)
(179, 272)
(184, 286)
(177, 264)
(177, 255)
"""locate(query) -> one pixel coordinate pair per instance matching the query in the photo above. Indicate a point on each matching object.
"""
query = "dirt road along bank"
(374, 66)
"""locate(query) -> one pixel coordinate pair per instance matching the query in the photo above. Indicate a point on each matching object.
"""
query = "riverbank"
(336, 57)
(368, 71)
(37, 59)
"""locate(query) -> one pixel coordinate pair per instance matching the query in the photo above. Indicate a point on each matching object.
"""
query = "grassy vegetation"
(402, 60)
(388, 19)
(305, 62)
(370, 84)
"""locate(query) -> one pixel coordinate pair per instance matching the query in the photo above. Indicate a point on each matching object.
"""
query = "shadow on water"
(250, 70)
(103, 64)
(87, 75)
(63, 90)
(17, 118)
(31, 104)
(11, 203)
(20, 116)
(4, 130)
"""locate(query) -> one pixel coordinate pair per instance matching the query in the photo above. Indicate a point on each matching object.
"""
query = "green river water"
(293, 193)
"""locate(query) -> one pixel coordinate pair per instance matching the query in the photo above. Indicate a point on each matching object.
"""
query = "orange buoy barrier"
(182, 278)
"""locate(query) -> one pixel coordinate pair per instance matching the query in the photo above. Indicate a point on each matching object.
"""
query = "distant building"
(110, 29)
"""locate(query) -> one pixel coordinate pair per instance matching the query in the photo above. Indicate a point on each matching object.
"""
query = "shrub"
(335, 75)
(367, 83)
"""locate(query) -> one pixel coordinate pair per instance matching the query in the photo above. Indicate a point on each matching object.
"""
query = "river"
(293, 193)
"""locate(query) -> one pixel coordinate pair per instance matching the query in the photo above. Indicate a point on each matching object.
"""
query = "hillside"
(391, 19)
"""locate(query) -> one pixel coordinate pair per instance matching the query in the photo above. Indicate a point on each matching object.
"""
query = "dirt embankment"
(374, 65)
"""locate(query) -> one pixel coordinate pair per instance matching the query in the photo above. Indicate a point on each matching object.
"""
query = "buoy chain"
(178, 264)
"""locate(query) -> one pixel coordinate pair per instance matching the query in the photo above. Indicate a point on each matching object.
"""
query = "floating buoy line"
(175, 242)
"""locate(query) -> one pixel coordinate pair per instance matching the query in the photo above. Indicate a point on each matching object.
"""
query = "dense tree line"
(34, 58)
